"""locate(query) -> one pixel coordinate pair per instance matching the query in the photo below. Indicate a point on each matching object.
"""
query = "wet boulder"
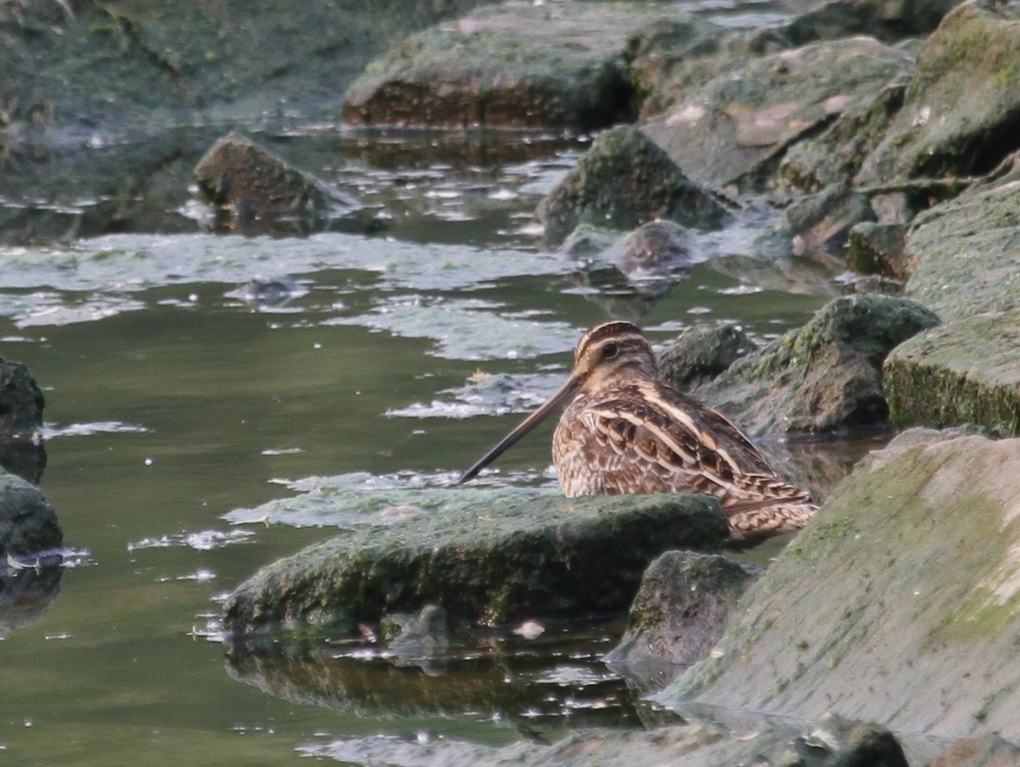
(655, 249)
(821, 222)
(874, 248)
(896, 604)
(959, 116)
(701, 352)
(21, 408)
(625, 180)
(962, 257)
(889, 22)
(252, 190)
(483, 556)
(674, 56)
(836, 154)
(506, 66)
(681, 609)
(824, 376)
(961, 372)
(29, 531)
(736, 128)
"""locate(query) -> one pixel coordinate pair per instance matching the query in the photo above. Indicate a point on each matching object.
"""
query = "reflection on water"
(551, 682)
(190, 377)
(26, 593)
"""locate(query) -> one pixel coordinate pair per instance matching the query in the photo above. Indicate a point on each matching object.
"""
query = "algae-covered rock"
(965, 371)
(703, 351)
(821, 222)
(91, 66)
(963, 255)
(736, 127)
(28, 524)
(964, 262)
(874, 248)
(491, 556)
(250, 188)
(21, 408)
(959, 113)
(625, 180)
(508, 66)
(824, 376)
(682, 607)
(899, 603)
(887, 21)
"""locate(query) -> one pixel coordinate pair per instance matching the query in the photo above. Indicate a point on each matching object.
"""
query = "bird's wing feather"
(658, 440)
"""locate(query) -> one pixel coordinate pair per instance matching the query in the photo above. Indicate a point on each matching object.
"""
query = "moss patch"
(906, 581)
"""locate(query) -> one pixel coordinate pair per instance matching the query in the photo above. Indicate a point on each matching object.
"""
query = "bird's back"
(646, 437)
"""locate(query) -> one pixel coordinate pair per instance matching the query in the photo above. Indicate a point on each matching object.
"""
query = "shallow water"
(190, 377)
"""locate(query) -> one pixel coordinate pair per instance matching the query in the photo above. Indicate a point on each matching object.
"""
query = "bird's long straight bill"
(525, 426)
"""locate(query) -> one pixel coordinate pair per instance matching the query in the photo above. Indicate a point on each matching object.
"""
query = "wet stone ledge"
(961, 372)
(489, 555)
(522, 67)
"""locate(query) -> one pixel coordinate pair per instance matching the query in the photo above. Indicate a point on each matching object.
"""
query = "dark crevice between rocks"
(1002, 141)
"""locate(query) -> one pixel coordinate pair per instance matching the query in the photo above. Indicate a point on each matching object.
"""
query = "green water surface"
(172, 401)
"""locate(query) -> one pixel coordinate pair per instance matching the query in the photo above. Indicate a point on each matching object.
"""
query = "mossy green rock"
(702, 352)
(736, 127)
(959, 112)
(824, 376)
(623, 181)
(963, 255)
(962, 372)
(964, 262)
(508, 66)
(899, 603)
(682, 607)
(490, 556)
(874, 248)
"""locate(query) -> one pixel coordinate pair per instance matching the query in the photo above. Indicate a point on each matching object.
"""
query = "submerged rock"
(681, 609)
(824, 376)
(418, 638)
(253, 191)
(506, 66)
(491, 556)
(898, 604)
(623, 181)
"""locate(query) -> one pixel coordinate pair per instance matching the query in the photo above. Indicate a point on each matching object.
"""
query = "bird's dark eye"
(609, 351)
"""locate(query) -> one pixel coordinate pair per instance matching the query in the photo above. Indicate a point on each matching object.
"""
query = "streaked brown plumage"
(627, 430)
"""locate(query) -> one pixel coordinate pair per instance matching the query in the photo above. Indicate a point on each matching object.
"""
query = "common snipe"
(627, 430)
